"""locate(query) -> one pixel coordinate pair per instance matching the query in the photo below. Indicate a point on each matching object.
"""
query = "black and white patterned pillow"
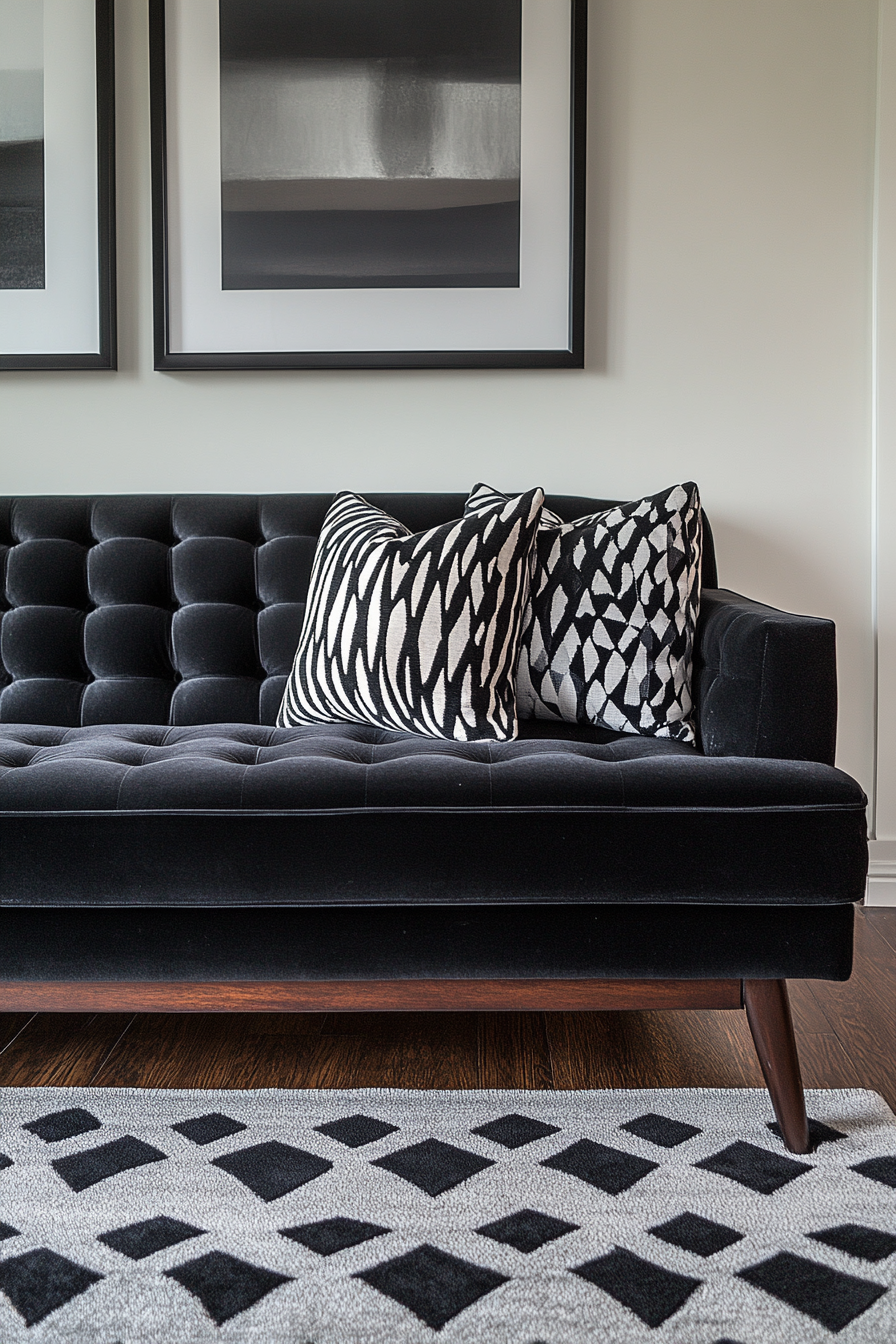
(419, 632)
(608, 631)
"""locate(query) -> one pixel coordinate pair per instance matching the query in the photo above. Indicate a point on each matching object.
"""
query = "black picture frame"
(106, 355)
(570, 355)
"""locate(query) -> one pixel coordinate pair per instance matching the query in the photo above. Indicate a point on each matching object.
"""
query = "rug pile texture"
(397, 1217)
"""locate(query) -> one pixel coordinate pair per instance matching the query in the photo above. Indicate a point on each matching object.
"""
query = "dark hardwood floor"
(846, 1035)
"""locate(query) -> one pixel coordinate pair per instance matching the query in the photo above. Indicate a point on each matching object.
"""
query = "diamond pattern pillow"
(608, 631)
(419, 633)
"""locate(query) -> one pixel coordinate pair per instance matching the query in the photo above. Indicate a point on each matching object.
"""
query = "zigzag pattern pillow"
(608, 631)
(421, 632)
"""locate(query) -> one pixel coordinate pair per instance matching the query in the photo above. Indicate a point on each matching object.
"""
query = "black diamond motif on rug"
(609, 1169)
(865, 1243)
(208, 1128)
(662, 1131)
(433, 1166)
(6, 1231)
(818, 1133)
(81, 1170)
(757, 1168)
(651, 1292)
(273, 1169)
(527, 1230)
(699, 1235)
(881, 1169)
(356, 1130)
(825, 1294)
(333, 1234)
(139, 1240)
(5, 1161)
(432, 1284)
(41, 1281)
(515, 1131)
(63, 1124)
(224, 1285)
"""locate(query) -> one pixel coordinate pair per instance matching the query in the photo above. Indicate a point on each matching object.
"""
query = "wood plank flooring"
(846, 1035)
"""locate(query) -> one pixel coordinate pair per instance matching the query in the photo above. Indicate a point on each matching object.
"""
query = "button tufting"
(249, 767)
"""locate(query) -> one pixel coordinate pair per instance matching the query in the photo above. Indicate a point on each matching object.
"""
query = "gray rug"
(394, 1217)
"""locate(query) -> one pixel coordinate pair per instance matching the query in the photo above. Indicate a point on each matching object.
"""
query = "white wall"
(883, 851)
(731, 171)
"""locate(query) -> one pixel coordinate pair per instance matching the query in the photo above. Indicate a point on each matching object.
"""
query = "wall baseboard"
(881, 891)
(882, 873)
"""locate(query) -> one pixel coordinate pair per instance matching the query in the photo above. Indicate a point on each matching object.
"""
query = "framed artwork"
(368, 183)
(57, 185)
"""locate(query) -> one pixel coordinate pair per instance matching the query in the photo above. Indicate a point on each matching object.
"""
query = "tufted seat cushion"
(154, 815)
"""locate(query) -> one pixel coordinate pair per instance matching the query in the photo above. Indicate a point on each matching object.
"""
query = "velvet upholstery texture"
(766, 681)
(145, 644)
(426, 942)
(326, 814)
(180, 609)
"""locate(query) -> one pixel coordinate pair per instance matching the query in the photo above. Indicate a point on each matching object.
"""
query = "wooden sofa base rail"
(333, 996)
(766, 1002)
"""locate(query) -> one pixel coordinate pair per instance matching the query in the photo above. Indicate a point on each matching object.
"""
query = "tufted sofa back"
(160, 609)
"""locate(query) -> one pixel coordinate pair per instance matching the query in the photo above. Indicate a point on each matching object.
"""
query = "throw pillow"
(421, 632)
(608, 631)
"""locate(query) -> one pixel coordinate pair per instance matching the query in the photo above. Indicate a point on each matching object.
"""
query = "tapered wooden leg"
(768, 1013)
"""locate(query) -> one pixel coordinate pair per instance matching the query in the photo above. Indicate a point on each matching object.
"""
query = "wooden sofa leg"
(768, 1013)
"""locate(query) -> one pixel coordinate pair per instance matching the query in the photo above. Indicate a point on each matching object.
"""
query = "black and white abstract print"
(370, 143)
(399, 1217)
(608, 632)
(415, 632)
(22, 249)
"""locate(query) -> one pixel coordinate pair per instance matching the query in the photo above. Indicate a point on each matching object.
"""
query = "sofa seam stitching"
(526, 809)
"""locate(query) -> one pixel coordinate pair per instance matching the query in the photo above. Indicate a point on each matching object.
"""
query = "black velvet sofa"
(164, 846)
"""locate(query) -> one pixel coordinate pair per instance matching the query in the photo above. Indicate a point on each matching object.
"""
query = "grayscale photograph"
(369, 143)
(22, 250)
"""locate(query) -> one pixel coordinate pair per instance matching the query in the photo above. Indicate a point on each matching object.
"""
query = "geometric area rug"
(406, 1217)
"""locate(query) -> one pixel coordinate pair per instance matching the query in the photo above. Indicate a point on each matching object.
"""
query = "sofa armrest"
(765, 682)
